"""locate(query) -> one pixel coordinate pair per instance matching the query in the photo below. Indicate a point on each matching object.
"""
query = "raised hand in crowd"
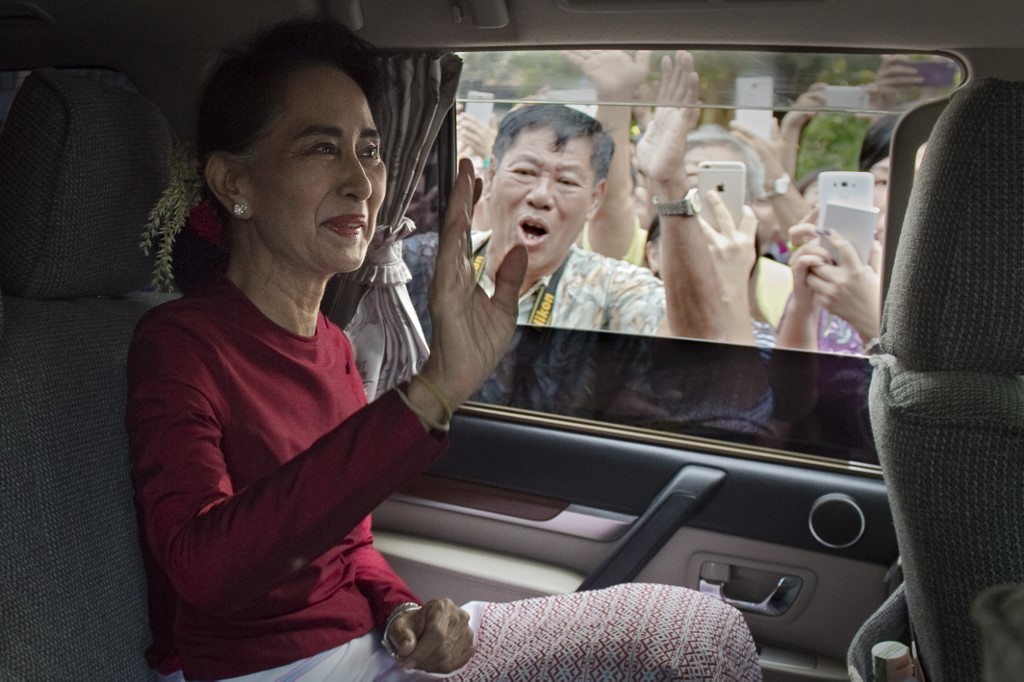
(733, 254)
(799, 325)
(705, 269)
(474, 138)
(796, 119)
(786, 201)
(893, 81)
(849, 288)
(615, 75)
(846, 288)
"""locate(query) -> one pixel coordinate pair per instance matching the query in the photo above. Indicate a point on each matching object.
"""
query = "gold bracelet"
(436, 426)
(445, 405)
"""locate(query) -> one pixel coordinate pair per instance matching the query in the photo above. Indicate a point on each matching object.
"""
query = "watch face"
(693, 196)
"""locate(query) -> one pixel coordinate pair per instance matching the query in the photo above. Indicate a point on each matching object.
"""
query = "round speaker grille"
(836, 520)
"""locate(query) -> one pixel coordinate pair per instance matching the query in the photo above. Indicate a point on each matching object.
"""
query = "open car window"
(769, 398)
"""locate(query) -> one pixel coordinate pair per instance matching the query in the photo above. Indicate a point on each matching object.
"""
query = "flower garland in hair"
(182, 203)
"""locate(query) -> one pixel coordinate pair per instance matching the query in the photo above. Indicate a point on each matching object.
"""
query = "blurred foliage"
(831, 140)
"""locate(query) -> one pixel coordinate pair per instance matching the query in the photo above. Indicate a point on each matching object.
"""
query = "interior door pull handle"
(775, 604)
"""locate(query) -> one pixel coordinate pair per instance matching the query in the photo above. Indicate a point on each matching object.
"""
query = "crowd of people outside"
(601, 254)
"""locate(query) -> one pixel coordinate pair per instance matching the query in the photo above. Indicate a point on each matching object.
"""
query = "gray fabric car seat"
(81, 164)
(947, 398)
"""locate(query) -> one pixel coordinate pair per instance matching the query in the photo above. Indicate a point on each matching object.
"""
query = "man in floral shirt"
(548, 178)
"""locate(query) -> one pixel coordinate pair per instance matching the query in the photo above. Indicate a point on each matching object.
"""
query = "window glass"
(595, 341)
(869, 83)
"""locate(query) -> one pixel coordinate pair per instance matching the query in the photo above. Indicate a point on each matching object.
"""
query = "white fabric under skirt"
(628, 632)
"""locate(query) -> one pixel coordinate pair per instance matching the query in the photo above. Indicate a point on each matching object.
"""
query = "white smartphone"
(729, 179)
(479, 105)
(852, 188)
(757, 92)
(846, 97)
(855, 224)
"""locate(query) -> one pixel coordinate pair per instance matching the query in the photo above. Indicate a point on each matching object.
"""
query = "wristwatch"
(779, 187)
(689, 205)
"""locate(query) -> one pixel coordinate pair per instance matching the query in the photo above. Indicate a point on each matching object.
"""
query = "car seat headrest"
(81, 165)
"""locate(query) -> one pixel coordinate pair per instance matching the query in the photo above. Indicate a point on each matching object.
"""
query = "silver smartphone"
(853, 188)
(729, 179)
(847, 97)
(758, 93)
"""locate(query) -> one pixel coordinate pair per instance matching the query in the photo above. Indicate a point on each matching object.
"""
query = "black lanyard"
(544, 305)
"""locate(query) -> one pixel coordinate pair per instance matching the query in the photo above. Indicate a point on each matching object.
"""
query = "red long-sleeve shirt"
(256, 463)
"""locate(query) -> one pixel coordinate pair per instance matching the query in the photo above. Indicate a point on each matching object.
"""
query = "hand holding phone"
(479, 105)
(940, 74)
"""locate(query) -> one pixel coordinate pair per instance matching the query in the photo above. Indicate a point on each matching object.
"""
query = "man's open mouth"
(532, 232)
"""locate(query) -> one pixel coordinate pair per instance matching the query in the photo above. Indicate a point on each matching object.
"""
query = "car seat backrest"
(947, 398)
(952, 303)
(81, 164)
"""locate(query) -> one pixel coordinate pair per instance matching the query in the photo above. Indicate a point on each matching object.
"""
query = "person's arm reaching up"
(615, 75)
(705, 270)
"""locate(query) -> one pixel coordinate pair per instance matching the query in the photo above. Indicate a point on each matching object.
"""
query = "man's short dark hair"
(566, 123)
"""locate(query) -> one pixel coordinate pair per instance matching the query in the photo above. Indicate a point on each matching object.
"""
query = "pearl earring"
(240, 209)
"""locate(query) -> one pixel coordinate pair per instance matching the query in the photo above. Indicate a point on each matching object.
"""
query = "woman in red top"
(255, 457)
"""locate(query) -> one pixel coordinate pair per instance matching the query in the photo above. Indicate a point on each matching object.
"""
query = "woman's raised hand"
(471, 330)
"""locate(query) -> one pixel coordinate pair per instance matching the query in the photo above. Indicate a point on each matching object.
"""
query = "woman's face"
(316, 181)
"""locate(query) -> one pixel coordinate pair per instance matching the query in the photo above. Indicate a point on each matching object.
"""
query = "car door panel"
(517, 509)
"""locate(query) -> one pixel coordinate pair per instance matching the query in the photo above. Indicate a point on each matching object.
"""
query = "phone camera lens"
(844, 184)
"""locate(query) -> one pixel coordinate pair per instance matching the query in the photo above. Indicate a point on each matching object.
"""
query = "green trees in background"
(831, 140)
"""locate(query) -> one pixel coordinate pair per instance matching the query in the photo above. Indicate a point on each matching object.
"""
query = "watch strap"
(689, 205)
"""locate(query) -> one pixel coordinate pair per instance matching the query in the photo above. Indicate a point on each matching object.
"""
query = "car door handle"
(685, 494)
(776, 603)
